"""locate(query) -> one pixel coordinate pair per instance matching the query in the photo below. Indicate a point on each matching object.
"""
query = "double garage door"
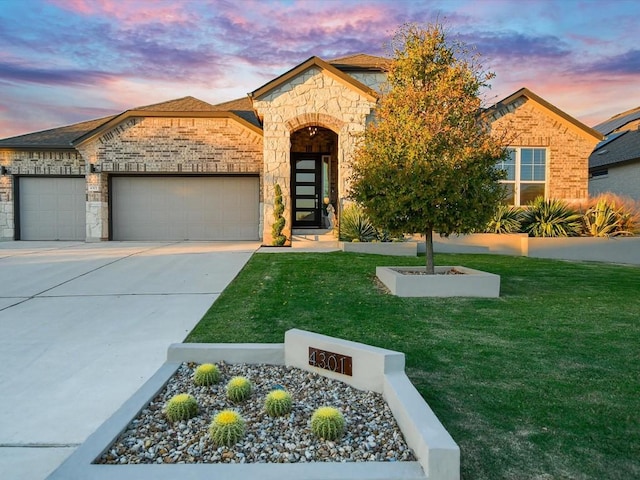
(144, 208)
(184, 208)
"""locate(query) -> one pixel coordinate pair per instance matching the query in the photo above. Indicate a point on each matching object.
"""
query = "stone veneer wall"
(311, 98)
(525, 124)
(153, 145)
(63, 162)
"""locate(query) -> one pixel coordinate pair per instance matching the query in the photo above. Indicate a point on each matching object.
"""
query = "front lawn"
(542, 383)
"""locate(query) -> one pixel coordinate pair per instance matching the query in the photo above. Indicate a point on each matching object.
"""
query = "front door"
(306, 180)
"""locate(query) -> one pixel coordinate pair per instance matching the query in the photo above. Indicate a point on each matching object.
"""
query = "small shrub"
(355, 225)
(506, 219)
(206, 374)
(227, 428)
(238, 389)
(327, 423)
(181, 407)
(278, 403)
(551, 218)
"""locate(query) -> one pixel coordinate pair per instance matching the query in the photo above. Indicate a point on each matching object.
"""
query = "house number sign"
(334, 362)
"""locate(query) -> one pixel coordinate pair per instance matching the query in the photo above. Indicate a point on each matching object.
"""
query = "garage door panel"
(52, 208)
(185, 208)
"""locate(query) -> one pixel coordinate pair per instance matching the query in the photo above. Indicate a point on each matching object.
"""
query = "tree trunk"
(428, 240)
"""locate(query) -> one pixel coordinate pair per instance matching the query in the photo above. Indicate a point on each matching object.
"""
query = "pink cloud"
(128, 13)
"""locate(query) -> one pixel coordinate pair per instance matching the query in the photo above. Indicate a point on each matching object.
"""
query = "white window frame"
(517, 181)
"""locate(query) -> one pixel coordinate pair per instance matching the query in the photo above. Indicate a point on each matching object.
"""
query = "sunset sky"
(66, 61)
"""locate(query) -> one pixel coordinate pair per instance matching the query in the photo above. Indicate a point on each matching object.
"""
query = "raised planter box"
(470, 283)
(372, 368)
(398, 249)
(612, 250)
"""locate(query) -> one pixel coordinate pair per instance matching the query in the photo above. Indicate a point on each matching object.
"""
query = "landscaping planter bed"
(465, 282)
(371, 369)
(371, 433)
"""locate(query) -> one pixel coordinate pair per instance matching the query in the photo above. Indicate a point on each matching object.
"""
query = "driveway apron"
(83, 326)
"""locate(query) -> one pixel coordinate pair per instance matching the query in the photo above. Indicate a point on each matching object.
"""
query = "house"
(614, 165)
(186, 169)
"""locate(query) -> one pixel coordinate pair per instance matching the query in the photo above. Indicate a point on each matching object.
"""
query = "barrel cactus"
(327, 423)
(206, 374)
(227, 428)
(181, 407)
(238, 389)
(278, 403)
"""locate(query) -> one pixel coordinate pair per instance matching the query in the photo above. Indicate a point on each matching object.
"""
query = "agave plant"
(355, 225)
(605, 220)
(551, 218)
(506, 219)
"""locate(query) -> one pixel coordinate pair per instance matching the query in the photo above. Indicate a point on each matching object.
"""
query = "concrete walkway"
(83, 326)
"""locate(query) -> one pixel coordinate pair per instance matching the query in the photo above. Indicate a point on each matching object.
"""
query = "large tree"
(428, 162)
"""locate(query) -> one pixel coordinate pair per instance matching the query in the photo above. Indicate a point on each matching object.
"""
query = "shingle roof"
(360, 61)
(618, 121)
(60, 137)
(184, 104)
(243, 107)
(624, 148)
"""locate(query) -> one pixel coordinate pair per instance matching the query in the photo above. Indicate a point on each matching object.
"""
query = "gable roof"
(186, 107)
(525, 92)
(361, 61)
(184, 104)
(623, 147)
(617, 121)
(54, 138)
(304, 66)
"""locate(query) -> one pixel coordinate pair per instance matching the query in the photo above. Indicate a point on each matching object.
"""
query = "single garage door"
(52, 208)
(185, 208)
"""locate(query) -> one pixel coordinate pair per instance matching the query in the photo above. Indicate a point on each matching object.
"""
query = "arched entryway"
(314, 176)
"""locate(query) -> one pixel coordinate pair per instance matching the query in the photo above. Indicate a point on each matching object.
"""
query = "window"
(526, 174)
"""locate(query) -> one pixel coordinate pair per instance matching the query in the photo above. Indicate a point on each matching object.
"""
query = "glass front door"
(307, 182)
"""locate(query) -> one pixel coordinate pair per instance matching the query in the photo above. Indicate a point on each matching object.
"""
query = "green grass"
(542, 383)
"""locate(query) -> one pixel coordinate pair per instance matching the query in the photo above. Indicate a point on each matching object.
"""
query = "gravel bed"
(371, 431)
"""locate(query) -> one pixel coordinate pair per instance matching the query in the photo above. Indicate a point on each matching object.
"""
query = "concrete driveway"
(83, 326)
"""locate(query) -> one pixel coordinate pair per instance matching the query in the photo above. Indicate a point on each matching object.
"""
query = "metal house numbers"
(334, 362)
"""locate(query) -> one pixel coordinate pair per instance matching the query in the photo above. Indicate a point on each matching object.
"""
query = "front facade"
(188, 170)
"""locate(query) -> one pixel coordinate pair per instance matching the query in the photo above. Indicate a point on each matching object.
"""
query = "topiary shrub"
(506, 219)
(327, 423)
(279, 222)
(181, 407)
(238, 389)
(227, 428)
(278, 403)
(551, 218)
(206, 374)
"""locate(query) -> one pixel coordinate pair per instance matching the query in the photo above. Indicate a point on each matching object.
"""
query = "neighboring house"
(188, 170)
(614, 165)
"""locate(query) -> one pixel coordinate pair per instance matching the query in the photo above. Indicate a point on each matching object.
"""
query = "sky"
(67, 61)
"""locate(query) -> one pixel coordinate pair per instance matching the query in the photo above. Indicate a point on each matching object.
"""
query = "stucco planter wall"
(613, 250)
(470, 283)
(398, 249)
(374, 369)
